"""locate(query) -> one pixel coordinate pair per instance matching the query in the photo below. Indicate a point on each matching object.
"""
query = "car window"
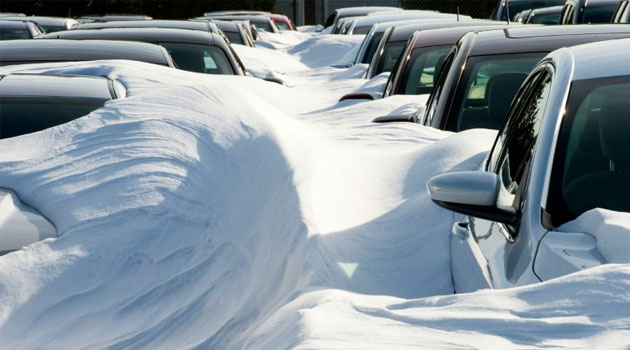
(199, 58)
(391, 53)
(371, 47)
(264, 26)
(438, 87)
(591, 166)
(14, 33)
(282, 25)
(234, 37)
(422, 69)
(550, 18)
(598, 14)
(487, 88)
(19, 116)
(518, 139)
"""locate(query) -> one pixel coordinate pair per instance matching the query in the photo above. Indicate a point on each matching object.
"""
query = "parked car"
(373, 38)
(363, 25)
(562, 151)
(588, 11)
(261, 23)
(11, 30)
(395, 38)
(484, 70)
(192, 50)
(500, 12)
(545, 15)
(419, 64)
(336, 15)
(49, 24)
(622, 12)
(41, 51)
(34, 102)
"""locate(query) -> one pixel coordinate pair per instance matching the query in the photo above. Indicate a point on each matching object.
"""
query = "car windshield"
(592, 160)
(282, 25)
(234, 37)
(14, 33)
(199, 58)
(265, 26)
(362, 30)
(487, 88)
(598, 13)
(371, 47)
(391, 51)
(22, 115)
(422, 69)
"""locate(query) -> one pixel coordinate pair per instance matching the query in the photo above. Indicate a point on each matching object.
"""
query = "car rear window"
(14, 33)
(19, 116)
(199, 58)
(422, 69)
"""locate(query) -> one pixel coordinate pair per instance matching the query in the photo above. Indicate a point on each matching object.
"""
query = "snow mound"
(327, 50)
(611, 230)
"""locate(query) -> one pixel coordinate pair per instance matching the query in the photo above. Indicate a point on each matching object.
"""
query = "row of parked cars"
(558, 96)
(34, 102)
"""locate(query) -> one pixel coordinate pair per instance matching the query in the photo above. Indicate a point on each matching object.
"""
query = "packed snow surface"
(221, 212)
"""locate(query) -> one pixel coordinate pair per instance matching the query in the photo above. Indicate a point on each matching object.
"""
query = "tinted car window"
(266, 26)
(19, 116)
(487, 88)
(544, 19)
(282, 25)
(519, 137)
(437, 89)
(422, 69)
(391, 53)
(199, 58)
(14, 33)
(234, 37)
(598, 14)
(362, 30)
(371, 48)
(592, 160)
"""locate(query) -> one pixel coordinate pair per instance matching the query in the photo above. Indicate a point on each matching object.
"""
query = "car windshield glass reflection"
(422, 70)
(19, 116)
(487, 88)
(592, 160)
(199, 58)
(390, 55)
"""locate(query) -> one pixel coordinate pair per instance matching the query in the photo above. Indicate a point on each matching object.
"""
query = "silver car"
(561, 151)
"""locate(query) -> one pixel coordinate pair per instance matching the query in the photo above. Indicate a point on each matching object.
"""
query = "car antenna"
(457, 13)
(507, 11)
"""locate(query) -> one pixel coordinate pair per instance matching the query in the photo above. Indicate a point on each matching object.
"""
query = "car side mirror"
(472, 193)
(276, 80)
(393, 119)
(357, 96)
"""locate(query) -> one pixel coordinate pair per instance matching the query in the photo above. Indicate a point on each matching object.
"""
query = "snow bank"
(611, 231)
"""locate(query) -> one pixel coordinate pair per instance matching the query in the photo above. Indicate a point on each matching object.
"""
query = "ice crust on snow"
(222, 212)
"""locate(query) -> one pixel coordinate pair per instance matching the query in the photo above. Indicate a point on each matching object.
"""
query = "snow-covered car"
(484, 70)
(49, 24)
(235, 32)
(34, 102)
(41, 51)
(362, 25)
(192, 50)
(19, 29)
(588, 11)
(395, 39)
(562, 152)
(260, 22)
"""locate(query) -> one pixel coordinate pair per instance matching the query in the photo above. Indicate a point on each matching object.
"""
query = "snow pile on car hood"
(228, 212)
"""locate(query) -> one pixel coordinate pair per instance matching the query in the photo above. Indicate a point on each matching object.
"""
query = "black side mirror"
(357, 96)
(276, 80)
(394, 119)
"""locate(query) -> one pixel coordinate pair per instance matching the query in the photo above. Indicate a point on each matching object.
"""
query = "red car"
(282, 22)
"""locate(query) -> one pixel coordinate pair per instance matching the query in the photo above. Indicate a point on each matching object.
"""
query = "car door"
(508, 249)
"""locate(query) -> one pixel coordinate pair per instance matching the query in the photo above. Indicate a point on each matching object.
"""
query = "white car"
(562, 151)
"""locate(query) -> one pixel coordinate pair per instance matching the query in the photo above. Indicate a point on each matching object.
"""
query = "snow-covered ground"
(221, 212)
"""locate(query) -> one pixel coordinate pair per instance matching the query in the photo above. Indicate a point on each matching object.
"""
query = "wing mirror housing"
(472, 193)
(393, 119)
(276, 80)
(357, 96)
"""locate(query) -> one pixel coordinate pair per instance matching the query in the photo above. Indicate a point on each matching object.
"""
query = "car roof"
(42, 20)
(153, 35)
(413, 14)
(541, 38)
(156, 23)
(226, 26)
(449, 36)
(589, 63)
(253, 19)
(20, 23)
(235, 13)
(34, 50)
(116, 17)
(361, 10)
(402, 33)
(48, 85)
